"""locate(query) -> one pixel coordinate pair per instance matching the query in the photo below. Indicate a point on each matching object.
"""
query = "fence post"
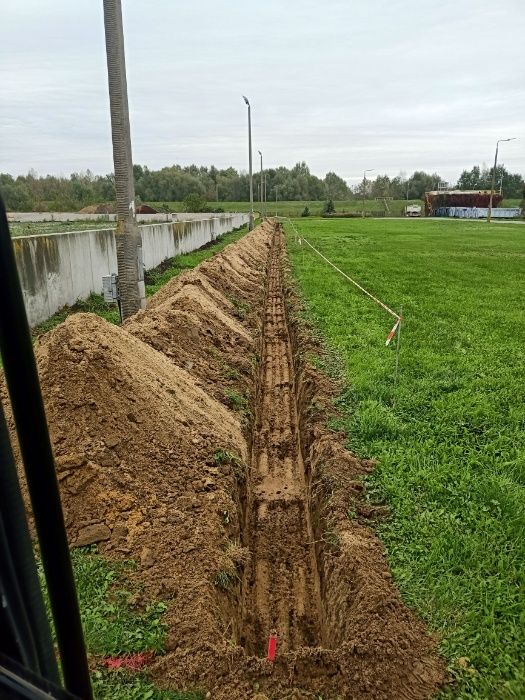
(398, 344)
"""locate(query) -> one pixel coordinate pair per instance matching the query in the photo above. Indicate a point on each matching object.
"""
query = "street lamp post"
(262, 186)
(250, 220)
(489, 213)
(369, 170)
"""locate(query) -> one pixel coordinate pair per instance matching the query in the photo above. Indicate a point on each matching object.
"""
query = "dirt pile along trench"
(193, 439)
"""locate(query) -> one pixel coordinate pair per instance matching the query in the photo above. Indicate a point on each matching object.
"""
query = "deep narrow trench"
(281, 590)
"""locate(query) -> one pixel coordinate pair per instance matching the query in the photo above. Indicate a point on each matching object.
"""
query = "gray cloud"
(345, 86)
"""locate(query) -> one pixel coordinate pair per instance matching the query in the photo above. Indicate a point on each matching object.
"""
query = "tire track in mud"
(281, 591)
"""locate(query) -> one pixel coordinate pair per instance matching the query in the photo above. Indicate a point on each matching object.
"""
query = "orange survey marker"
(393, 331)
(272, 646)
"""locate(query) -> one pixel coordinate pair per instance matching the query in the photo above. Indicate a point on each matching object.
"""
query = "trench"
(281, 588)
(314, 575)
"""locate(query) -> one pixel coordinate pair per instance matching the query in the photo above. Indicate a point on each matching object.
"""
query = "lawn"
(296, 208)
(451, 447)
(33, 228)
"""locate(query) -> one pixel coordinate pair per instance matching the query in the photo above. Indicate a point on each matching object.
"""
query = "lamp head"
(246, 100)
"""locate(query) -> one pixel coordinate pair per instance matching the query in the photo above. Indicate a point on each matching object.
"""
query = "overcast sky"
(394, 85)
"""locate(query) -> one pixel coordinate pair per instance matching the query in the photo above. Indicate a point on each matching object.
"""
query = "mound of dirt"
(196, 334)
(237, 272)
(110, 208)
(136, 444)
(198, 323)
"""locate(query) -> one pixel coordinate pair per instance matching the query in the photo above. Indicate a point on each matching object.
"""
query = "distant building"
(437, 201)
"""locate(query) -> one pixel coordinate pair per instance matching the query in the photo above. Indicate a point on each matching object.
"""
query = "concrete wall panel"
(57, 269)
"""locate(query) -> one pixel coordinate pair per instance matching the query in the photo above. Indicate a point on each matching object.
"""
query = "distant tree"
(481, 179)
(194, 202)
(380, 187)
(329, 207)
(470, 179)
(421, 182)
(16, 194)
(305, 212)
(336, 187)
(175, 183)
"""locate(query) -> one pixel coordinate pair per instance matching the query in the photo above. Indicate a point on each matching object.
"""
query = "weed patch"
(94, 304)
(113, 626)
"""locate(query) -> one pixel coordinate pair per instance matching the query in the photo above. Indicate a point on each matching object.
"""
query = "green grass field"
(36, 228)
(296, 208)
(452, 450)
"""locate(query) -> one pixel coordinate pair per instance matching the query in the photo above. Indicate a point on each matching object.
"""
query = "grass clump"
(224, 579)
(221, 457)
(113, 626)
(94, 304)
(237, 401)
(113, 685)
(240, 308)
(451, 451)
(231, 373)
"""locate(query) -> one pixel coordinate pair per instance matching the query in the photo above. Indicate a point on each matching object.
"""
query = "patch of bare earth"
(186, 439)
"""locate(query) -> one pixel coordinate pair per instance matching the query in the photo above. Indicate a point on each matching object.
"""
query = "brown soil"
(194, 440)
(281, 588)
(110, 208)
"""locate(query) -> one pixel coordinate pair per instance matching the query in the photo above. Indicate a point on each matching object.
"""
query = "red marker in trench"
(272, 646)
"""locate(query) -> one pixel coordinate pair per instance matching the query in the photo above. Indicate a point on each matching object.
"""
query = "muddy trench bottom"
(280, 591)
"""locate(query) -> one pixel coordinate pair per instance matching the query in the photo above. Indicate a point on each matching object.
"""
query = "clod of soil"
(186, 440)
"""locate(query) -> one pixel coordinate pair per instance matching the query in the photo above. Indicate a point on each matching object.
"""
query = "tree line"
(209, 184)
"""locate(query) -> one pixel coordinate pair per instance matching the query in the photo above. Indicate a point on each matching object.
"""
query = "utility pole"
(250, 220)
(130, 266)
(261, 193)
(489, 212)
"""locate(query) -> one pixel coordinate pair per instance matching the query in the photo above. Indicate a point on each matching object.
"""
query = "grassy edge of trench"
(112, 626)
(451, 453)
(116, 623)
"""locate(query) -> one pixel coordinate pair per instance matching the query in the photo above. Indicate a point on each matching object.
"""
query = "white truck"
(413, 210)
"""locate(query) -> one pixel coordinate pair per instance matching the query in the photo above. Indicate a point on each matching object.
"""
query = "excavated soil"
(193, 439)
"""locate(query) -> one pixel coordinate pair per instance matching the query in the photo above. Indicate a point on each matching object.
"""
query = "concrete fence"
(57, 269)
(65, 217)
